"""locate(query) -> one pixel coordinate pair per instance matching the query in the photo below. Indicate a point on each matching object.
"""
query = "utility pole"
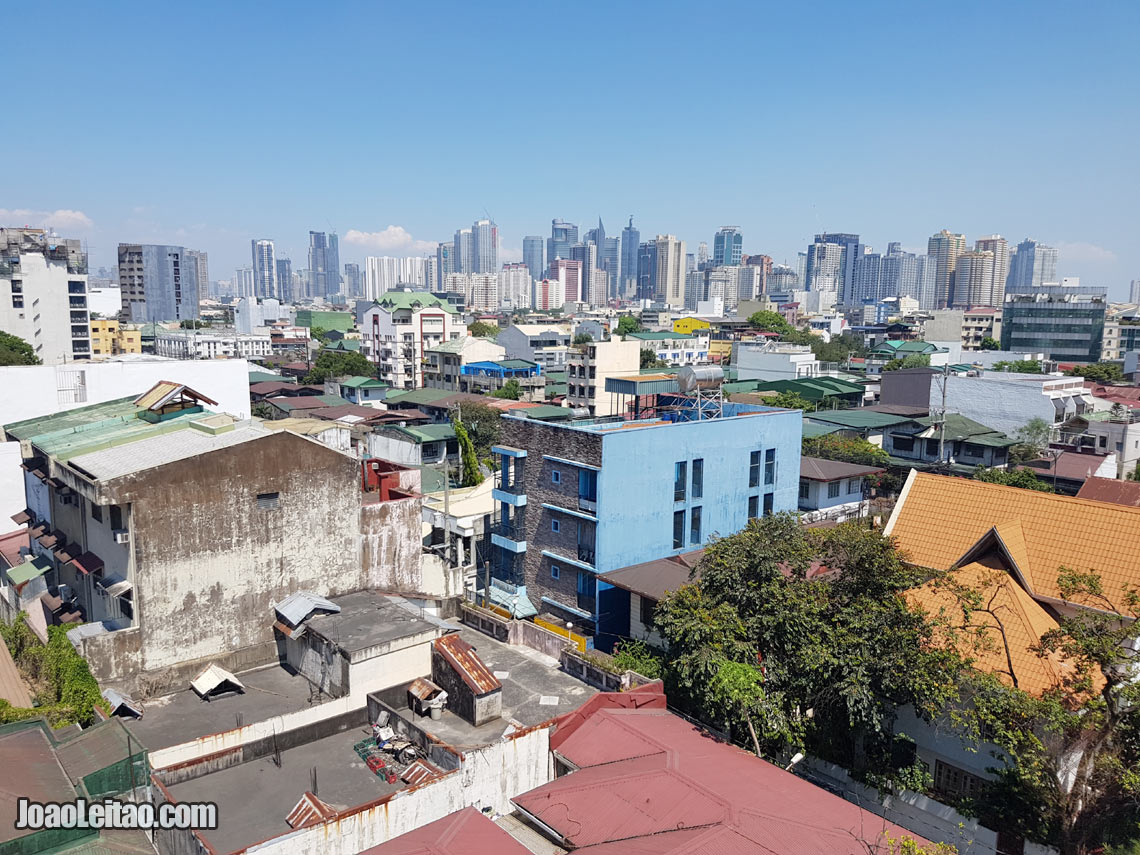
(942, 417)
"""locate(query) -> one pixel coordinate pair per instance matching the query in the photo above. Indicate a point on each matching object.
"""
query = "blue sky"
(208, 124)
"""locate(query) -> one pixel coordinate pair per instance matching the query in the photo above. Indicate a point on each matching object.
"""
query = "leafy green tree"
(766, 321)
(1134, 475)
(483, 423)
(1099, 372)
(583, 338)
(791, 401)
(628, 324)
(1019, 366)
(649, 360)
(1011, 478)
(480, 329)
(510, 390)
(846, 449)
(471, 475)
(1032, 440)
(15, 351)
(914, 360)
(191, 324)
(339, 363)
(839, 349)
(262, 410)
(319, 334)
(633, 655)
(990, 344)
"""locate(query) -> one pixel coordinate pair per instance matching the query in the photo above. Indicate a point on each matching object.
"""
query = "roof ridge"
(1043, 496)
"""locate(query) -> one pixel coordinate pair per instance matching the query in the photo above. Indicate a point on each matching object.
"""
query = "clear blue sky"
(207, 124)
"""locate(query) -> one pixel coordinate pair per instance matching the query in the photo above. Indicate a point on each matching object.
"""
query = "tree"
(469, 462)
(15, 351)
(191, 324)
(1032, 440)
(339, 363)
(483, 423)
(766, 321)
(479, 329)
(263, 410)
(846, 449)
(583, 338)
(1134, 475)
(628, 324)
(1023, 478)
(1099, 372)
(649, 360)
(990, 344)
(510, 390)
(839, 349)
(790, 401)
(632, 655)
(1019, 366)
(914, 360)
(319, 334)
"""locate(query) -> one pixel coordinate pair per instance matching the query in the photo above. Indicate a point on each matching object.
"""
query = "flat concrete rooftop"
(368, 619)
(254, 798)
(183, 716)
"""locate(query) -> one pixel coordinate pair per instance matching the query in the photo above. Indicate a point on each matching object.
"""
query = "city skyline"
(387, 193)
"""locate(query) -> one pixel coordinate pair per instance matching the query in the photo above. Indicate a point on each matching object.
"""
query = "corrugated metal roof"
(165, 391)
(32, 568)
(97, 748)
(819, 469)
(298, 606)
(41, 779)
(161, 450)
(1112, 491)
(213, 678)
(418, 773)
(462, 658)
(465, 832)
(309, 810)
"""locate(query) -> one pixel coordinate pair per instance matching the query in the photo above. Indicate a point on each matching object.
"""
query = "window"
(267, 501)
(754, 469)
(678, 529)
(695, 527)
(854, 485)
(833, 490)
(903, 443)
(554, 571)
(680, 474)
(96, 513)
(116, 516)
(753, 507)
(805, 488)
(698, 477)
(648, 607)
(588, 485)
(770, 466)
(974, 450)
(932, 448)
(555, 476)
(954, 781)
(17, 301)
(769, 500)
(555, 526)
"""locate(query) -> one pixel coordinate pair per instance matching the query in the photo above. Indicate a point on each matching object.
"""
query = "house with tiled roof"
(832, 489)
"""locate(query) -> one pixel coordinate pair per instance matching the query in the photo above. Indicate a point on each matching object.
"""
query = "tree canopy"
(1011, 478)
(583, 338)
(1018, 366)
(510, 390)
(914, 360)
(766, 321)
(846, 449)
(790, 401)
(1100, 372)
(989, 343)
(483, 423)
(15, 351)
(481, 329)
(628, 324)
(339, 363)
(470, 476)
(649, 360)
(1032, 440)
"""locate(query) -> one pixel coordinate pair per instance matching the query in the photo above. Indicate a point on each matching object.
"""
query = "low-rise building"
(485, 378)
(590, 365)
(1105, 432)
(952, 440)
(966, 326)
(421, 445)
(775, 360)
(367, 391)
(833, 490)
(675, 348)
(400, 328)
(443, 363)
(546, 344)
(110, 338)
(211, 343)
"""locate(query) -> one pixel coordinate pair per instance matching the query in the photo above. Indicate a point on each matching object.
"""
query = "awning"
(119, 589)
(88, 562)
(36, 531)
(297, 607)
(32, 568)
(516, 602)
(215, 680)
(49, 539)
(23, 516)
(65, 551)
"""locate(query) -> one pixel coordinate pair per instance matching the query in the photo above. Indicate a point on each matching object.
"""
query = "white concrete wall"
(389, 669)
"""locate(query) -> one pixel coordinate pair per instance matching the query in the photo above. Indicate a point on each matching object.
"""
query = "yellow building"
(108, 338)
(689, 325)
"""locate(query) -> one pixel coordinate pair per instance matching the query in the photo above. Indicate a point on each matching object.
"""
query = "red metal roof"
(465, 832)
(88, 562)
(650, 782)
(462, 657)
(1111, 490)
(10, 544)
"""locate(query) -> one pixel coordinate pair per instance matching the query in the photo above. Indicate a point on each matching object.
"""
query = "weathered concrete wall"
(394, 668)
(114, 655)
(318, 661)
(523, 633)
(391, 539)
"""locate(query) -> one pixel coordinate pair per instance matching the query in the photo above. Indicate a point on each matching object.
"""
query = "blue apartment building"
(581, 498)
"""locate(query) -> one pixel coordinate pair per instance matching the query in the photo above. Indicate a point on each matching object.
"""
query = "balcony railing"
(586, 602)
(586, 553)
(510, 531)
(514, 486)
(585, 504)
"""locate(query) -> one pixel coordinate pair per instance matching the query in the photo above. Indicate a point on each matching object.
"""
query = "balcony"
(588, 505)
(586, 553)
(78, 302)
(587, 603)
(511, 531)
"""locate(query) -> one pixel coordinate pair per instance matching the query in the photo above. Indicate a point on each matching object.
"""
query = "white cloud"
(391, 239)
(509, 254)
(62, 220)
(1088, 252)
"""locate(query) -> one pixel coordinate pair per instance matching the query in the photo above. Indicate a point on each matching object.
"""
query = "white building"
(250, 313)
(384, 273)
(1006, 401)
(999, 246)
(546, 344)
(549, 294)
(483, 292)
(243, 282)
(589, 367)
(670, 270)
(43, 294)
(515, 286)
(212, 343)
(264, 259)
(398, 330)
(776, 361)
(674, 347)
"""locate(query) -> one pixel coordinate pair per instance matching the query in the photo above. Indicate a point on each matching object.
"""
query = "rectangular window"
(554, 571)
(555, 526)
(974, 450)
(903, 443)
(588, 485)
(116, 516)
(753, 507)
(555, 476)
(96, 513)
(585, 583)
(769, 499)
(770, 466)
(648, 607)
(695, 526)
(805, 488)
(698, 478)
(932, 448)
(678, 529)
(267, 501)
(754, 469)
(854, 485)
(680, 474)
(833, 490)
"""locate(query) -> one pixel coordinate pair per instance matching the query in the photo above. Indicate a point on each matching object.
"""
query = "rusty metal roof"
(41, 778)
(465, 832)
(424, 689)
(418, 773)
(462, 658)
(166, 390)
(309, 810)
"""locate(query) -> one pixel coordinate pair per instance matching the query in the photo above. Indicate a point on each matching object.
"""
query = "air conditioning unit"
(122, 535)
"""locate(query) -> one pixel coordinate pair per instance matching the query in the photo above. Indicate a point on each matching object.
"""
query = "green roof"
(454, 345)
(657, 336)
(32, 568)
(817, 429)
(738, 386)
(413, 299)
(427, 433)
(344, 344)
(959, 428)
(543, 413)
(418, 396)
(557, 377)
(306, 402)
(553, 390)
(328, 320)
(362, 383)
(859, 419)
(815, 389)
(516, 363)
(262, 377)
(672, 369)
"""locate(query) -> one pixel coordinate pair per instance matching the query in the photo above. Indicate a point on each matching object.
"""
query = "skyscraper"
(332, 277)
(895, 274)
(944, 248)
(202, 260)
(285, 280)
(647, 271)
(999, 246)
(264, 268)
(158, 283)
(563, 235)
(1033, 265)
(243, 282)
(823, 271)
(1134, 291)
(670, 267)
(534, 256)
(383, 274)
(728, 246)
(587, 255)
(463, 255)
(610, 259)
(485, 247)
(568, 273)
(353, 282)
(444, 265)
(974, 280)
(702, 254)
(782, 279)
(516, 284)
(630, 238)
(324, 265)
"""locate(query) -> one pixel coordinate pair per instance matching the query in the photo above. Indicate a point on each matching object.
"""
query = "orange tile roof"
(939, 521)
(979, 634)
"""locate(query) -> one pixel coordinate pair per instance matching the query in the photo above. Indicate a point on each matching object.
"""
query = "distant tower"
(264, 268)
(533, 256)
(728, 246)
(630, 238)
(944, 248)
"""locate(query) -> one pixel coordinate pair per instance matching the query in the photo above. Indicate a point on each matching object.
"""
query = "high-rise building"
(824, 268)
(895, 274)
(485, 247)
(702, 254)
(463, 260)
(202, 261)
(999, 246)
(647, 271)
(534, 256)
(516, 284)
(158, 283)
(568, 273)
(483, 292)
(322, 255)
(587, 255)
(1066, 322)
(926, 282)
(630, 238)
(548, 294)
(444, 264)
(332, 277)
(670, 270)
(974, 280)
(264, 268)
(1134, 292)
(285, 280)
(353, 281)
(608, 257)
(43, 295)
(243, 282)
(801, 267)
(563, 235)
(383, 274)
(783, 279)
(729, 284)
(1033, 264)
(944, 248)
(764, 264)
(728, 246)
